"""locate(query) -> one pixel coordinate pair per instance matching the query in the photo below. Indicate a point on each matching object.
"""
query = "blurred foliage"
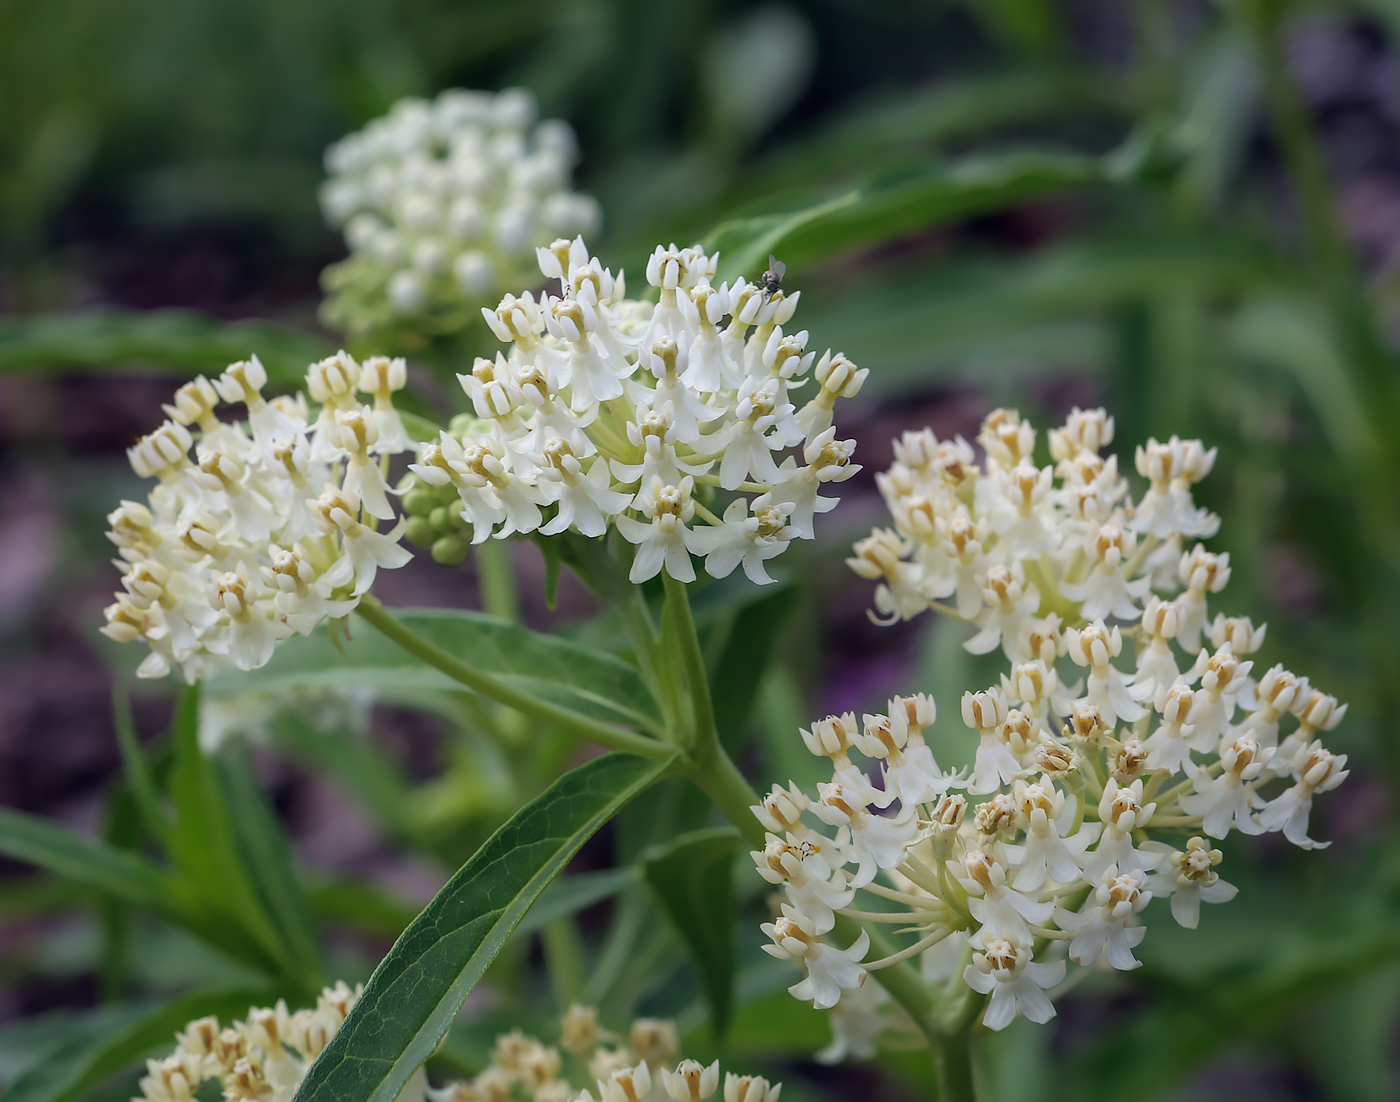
(974, 193)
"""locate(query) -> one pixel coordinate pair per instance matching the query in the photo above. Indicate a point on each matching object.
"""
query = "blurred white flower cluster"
(610, 410)
(269, 528)
(262, 1058)
(265, 1057)
(442, 204)
(1085, 761)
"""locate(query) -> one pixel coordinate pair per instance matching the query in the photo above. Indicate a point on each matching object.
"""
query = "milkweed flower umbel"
(1127, 731)
(260, 529)
(442, 203)
(616, 412)
(265, 1057)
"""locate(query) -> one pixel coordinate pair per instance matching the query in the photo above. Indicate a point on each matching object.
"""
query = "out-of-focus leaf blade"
(753, 635)
(744, 245)
(693, 878)
(115, 1040)
(899, 203)
(417, 990)
(181, 342)
(588, 681)
(965, 308)
(262, 845)
(571, 894)
(83, 860)
(215, 885)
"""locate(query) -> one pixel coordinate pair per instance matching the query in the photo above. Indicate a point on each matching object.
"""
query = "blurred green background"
(1187, 211)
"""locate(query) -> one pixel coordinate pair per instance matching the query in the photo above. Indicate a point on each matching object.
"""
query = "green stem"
(703, 734)
(499, 596)
(952, 1063)
(614, 738)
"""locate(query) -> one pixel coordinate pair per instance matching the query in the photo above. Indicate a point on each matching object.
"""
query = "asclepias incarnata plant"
(1129, 731)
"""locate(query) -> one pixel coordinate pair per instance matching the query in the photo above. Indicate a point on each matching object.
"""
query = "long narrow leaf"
(84, 860)
(178, 341)
(590, 682)
(417, 990)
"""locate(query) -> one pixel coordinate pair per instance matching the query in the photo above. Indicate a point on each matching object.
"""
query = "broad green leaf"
(417, 990)
(181, 342)
(112, 1041)
(588, 681)
(83, 860)
(693, 878)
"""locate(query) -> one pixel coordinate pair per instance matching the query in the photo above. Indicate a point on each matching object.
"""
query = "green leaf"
(116, 1039)
(571, 894)
(264, 851)
(748, 649)
(138, 771)
(588, 681)
(417, 990)
(745, 244)
(693, 878)
(217, 887)
(181, 342)
(36, 841)
(899, 203)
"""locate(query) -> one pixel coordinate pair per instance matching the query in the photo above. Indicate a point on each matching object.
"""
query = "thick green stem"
(702, 734)
(499, 596)
(614, 738)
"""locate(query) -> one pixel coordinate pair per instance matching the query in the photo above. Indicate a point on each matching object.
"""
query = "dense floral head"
(442, 204)
(610, 411)
(1101, 738)
(265, 1056)
(259, 529)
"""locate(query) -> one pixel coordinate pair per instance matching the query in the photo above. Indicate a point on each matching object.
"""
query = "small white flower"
(1191, 881)
(666, 541)
(808, 879)
(748, 539)
(829, 970)
(1317, 770)
(1229, 799)
(1003, 969)
(1102, 926)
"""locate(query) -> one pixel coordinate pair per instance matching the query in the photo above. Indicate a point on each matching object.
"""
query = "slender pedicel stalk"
(614, 738)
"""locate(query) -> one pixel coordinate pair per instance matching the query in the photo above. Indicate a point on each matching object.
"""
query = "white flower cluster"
(442, 205)
(1080, 759)
(265, 1057)
(271, 527)
(262, 1058)
(610, 410)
